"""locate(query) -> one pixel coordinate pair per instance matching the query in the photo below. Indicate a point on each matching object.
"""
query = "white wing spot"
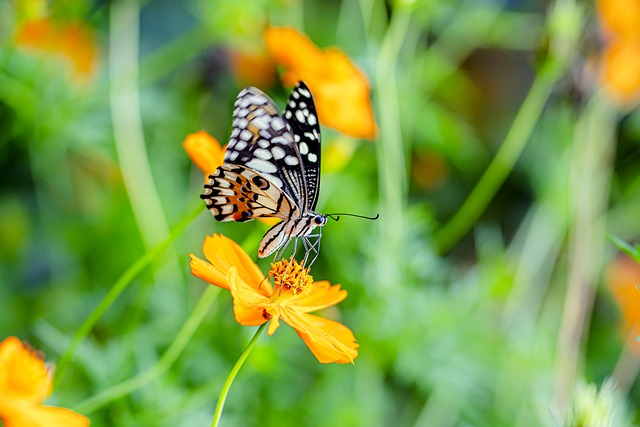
(312, 119)
(277, 123)
(296, 138)
(261, 122)
(291, 160)
(278, 153)
(263, 154)
(300, 116)
(263, 143)
(233, 156)
(304, 92)
(304, 148)
(262, 166)
(246, 135)
(241, 122)
(312, 158)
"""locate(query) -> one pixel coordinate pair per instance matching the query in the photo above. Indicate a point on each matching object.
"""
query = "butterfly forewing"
(262, 141)
(303, 120)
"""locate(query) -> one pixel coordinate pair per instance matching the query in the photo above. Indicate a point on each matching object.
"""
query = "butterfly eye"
(319, 220)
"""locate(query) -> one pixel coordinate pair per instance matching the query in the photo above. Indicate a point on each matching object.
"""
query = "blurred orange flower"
(341, 90)
(253, 68)
(623, 279)
(72, 41)
(292, 297)
(25, 382)
(620, 69)
(620, 17)
(204, 151)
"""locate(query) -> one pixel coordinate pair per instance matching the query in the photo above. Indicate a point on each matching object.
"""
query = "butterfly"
(271, 169)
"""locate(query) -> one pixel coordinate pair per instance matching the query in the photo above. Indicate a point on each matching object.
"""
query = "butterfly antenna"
(336, 216)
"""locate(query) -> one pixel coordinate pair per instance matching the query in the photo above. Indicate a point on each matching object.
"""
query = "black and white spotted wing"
(263, 141)
(265, 173)
(303, 120)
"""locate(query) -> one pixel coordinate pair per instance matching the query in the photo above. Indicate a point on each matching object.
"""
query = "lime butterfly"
(271, 169)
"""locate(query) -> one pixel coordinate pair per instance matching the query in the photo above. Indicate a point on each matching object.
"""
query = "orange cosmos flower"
(291, 298)
(72, 41)
(620, 72)
(340, 90)
(204, 151)
(623, 278)
(25, 382)
(620, 17)
(252, 68)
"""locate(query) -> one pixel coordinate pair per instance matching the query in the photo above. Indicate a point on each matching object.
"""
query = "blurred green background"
(493, 315)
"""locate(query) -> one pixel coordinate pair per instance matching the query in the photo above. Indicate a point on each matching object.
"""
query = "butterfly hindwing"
(236, 193)
(303, 120)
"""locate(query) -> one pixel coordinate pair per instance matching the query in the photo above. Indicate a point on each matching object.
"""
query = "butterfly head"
(319, 220)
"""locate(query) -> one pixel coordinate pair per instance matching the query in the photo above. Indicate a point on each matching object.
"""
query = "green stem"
(390, 150)
(118, 287)
(232, 375)
(503, 162)
(124, 35)
(166, 361)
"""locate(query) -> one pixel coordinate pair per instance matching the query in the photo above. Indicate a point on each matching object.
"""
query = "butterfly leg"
(311, 247)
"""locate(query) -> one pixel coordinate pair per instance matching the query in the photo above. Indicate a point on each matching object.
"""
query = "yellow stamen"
(291, 276)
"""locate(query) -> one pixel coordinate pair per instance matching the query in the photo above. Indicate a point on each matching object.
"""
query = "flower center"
(291, 276)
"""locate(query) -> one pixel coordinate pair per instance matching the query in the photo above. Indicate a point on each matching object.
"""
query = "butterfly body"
(271, 168)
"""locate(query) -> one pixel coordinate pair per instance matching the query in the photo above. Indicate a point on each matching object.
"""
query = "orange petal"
(623, 278)
(249, 305)
(223, 253)
(23, 374)
(291, 49)
(23, 415)
(253, 68)
(208, 272)
(329, 341)
(204, 151)
(72, 41)
(621, 71)
(322, 295)
(340, 89)
(621, 17)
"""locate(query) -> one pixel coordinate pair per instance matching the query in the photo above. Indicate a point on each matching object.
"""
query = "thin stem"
(502, 164)
(166, 361)
(232, 375)
(118, 287)
(593, 147)
(127, 124)
(390, 151)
